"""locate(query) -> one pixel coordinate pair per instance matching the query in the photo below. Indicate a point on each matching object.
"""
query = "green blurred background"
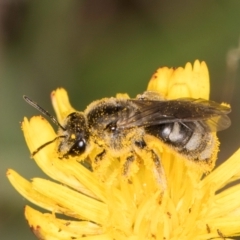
(96, 49)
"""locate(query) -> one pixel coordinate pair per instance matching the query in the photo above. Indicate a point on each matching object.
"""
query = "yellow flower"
(100, 204)
(182, 82)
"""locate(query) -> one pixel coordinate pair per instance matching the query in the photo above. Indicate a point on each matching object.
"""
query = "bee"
(118, 126)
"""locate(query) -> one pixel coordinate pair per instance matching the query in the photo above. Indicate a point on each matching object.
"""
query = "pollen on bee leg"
(104, 166)
(127, 164)
(159, 170)
(152, 162)
(130, 166)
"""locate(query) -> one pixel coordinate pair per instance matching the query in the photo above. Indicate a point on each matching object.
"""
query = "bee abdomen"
(190, 138)
(172, 133)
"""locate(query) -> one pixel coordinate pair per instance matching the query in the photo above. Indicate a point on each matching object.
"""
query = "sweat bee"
(118, 127)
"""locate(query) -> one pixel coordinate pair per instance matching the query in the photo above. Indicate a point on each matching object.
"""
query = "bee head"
(73, 134)
(76, 135)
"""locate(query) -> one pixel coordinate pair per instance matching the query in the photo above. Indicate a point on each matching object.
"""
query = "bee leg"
(100, 156)
(158, 170)
(96, 160)
(126, 166)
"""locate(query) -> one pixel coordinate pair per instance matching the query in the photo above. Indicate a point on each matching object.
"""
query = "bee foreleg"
(100, 156)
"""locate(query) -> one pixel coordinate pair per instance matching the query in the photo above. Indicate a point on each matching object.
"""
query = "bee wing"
(152, 112)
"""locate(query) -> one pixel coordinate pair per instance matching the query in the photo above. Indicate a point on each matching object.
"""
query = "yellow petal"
(61, 104)
(160, 81)
(47, 226)
(25, 188)
(84, 207)
(224, 173)
(182, 82)
(57, 198)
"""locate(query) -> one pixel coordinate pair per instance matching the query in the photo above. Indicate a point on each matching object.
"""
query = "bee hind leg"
(128, 162)
(158, 170)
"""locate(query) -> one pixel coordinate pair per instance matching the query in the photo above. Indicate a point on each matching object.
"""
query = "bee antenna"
(43, 111)
(45, 144)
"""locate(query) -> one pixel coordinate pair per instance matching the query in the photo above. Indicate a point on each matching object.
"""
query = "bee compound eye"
(82, 144)
(79, 147)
